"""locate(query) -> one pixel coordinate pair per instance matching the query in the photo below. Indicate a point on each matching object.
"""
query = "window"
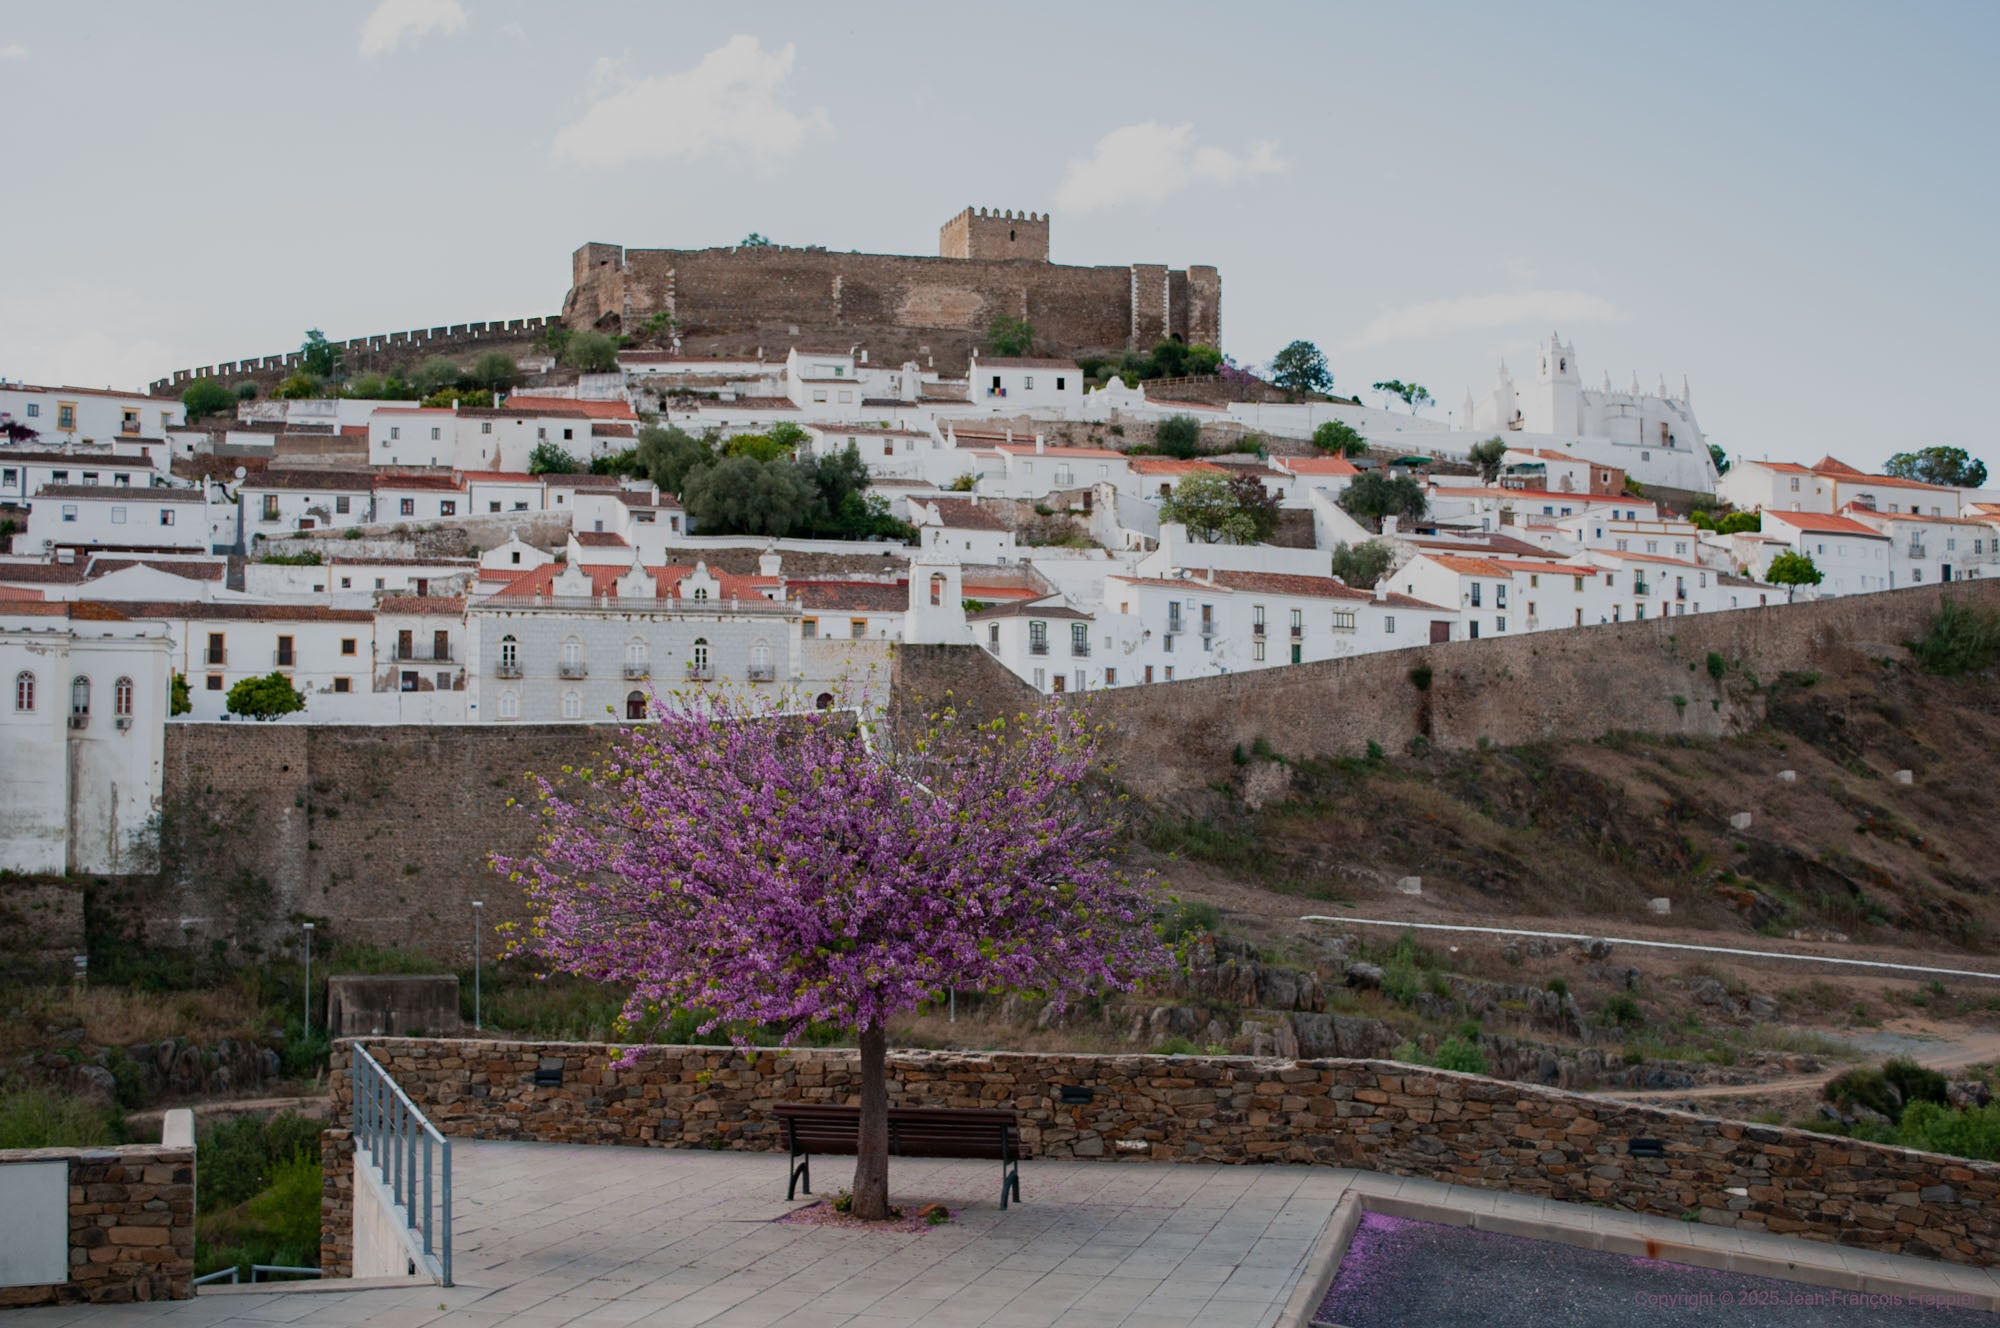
(270, 507)
(1170, 673)
(343, 684)
(858, 628)
(1149, 673)
(24, 690)
(1343, 620)
(486, 427)
(346, 645)
(698, 660)
(510, 705)
(66, 415)
(1389, 625)
(1111, 677)
(434, 435)
(809, 629)
(1500, 624)
(395, 432)
(1298, 624)
(1038, 637)
(166, 516)
(214, 682)
(34, 409)
(1500, 597)
(937, 588)
(217, 654)
(1041, 679)
(449, 507)
(1475, 594)
(993, 637)
(1257, 649)
(1059, 387)
(117, 516)
(1079, 639)
(572, 705)
(285, 659)
(635, 705)
(572, 654)
(407, 507)
(79, 695)
(69, 511)
(59, 477)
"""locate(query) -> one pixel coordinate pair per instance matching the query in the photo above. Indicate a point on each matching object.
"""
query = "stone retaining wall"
(131, 1225)
(336, 1203)
(1375, 1115)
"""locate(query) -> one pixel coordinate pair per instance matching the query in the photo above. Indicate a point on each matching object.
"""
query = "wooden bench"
(913, 1132)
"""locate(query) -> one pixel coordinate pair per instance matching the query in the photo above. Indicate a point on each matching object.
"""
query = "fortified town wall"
(1380, 1116)
(381, 832)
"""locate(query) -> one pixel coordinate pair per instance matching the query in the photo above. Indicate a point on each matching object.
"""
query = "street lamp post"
(478, 912)
(306, 1029)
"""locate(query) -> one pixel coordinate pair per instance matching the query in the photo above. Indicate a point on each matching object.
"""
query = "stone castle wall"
(1400, 1120)
(131, 1225)
(379, 351)
(737, 301)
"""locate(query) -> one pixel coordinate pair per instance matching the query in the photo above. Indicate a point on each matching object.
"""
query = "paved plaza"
(551, 1234)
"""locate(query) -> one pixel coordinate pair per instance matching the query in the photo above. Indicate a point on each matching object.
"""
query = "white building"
(83, 723)
(1851, 558)
(1829, 486)
(88, 414)
(279, 501)
(150, 520)
(25, 470)
(488, 492)
(413, 436)
(961, 528)
(405, 497)
(1012, 384)
(327, 653)
(1925, 550)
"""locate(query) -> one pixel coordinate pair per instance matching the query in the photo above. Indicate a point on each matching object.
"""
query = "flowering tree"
(780, 868)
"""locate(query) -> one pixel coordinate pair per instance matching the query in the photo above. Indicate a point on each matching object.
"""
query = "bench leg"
(1010, 1182)
(801, 1172)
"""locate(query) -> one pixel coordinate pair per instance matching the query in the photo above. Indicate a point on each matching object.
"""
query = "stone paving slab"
(550, 1235)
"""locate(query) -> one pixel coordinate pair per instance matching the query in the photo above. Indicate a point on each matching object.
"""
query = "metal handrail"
(232, 1272)
(294, 1269)
(392, 1131)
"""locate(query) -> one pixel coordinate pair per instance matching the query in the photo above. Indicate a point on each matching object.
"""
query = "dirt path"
(238, 1106)
(1954, 1050)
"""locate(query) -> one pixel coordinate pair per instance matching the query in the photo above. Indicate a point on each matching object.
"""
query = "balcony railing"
(414, 654)
(1080, 649)
(634, 672)
(1298, 632)
(1038, 647)
(79, 721)
(214, 658)
(700, 673)
(1208, 628)
(1919, 551)
(762, 673)
(1174, 625)
(1642, 588)
(577, 670)
(285, 659)
(506, 670)
(1257, 629)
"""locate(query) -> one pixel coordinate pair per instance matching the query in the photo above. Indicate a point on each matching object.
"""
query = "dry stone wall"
(1374, 1115)
(131, 1225)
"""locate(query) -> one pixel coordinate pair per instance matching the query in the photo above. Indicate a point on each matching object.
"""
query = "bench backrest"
(913, 1131)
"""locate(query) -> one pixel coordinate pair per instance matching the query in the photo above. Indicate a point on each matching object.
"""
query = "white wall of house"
(69, 414)
(24, 470)
(271, 510)
(414, 436)
(1010, 385)
(74, 517)
(1850, 563)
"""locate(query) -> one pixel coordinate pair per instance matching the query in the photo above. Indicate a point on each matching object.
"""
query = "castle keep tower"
(995, 235)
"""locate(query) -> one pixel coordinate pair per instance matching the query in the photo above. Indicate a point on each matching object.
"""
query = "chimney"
(1389, 524)
(1381, 591)
(768, 563)
(1041, 444)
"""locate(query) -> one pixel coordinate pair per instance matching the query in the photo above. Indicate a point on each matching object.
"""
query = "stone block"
(1740, 821)
(1788, 776)
(1906, 777)
(1409, 885)
(1661, 905)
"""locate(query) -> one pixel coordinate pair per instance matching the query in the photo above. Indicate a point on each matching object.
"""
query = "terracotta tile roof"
(1822, 523)
(965, 514)
(192, 571)
(1626, 555)
(1325, 465)
(510, 412)
(599, 429)
(1482, 545)
(1025, 362)
(604, 578)
(1550, 454)
(1461, 565)
(580, 480)
(850, 596)
(1028, 449)
(91, 392)
(412, 410)
(1549, 569)
(450, 564)
(231, 611)
(596, 410)
(125, 493)
(1028, 608)
(444, 606)
(58, 574)
(599, 539)
(499, 477)
(104, 461)
(1171, 466)
(435, 483)
(1828, 465)
(300, 477)
(1322, 587)
(751, 403)
(10, 594)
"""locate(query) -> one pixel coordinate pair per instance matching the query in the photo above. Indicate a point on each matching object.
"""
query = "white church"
(1652, 437)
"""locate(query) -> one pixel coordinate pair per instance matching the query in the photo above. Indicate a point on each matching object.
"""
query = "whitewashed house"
(148, 520)
(25, 471)
(1009, 385)
(280, 501)
(961, 528)
(1852, 559)
(88, 414)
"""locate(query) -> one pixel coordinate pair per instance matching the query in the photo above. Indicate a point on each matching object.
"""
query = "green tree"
(205, 396)
(1412, 395)
(434, 375)
(548, 458)
(1373, 496)
(1179, 436)
(1209, 506)
(246, 390)
(667, 455)
(843, 508)
(178, 701)
(739, 495)
(496, 371)
(1257, 503)
(754, 241)
(1950, 466)
(761, 446)
(1202, 359)
(1740, 523)
(590, 352)
(1007, 336)
(1339, 438)
(1362, 565)
(1791, 570)
(265, 698)
(319, 357)
(1488, 456)
(787, 435)
(659, 329)
(1300, 369)
(299, 387)
(1719, 457)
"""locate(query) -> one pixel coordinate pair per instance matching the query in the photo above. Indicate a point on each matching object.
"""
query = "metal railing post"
(393, 1129)
(428, 1224)
(444, 1148)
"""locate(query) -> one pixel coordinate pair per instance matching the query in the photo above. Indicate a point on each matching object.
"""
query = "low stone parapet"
(1375, 1115)
(129, 1215)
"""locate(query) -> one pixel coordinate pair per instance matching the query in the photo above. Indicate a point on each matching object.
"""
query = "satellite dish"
(241, 472)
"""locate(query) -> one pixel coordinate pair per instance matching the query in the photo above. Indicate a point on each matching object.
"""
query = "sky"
(1789, 205)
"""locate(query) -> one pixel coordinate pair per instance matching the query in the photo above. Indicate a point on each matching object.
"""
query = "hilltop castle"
(990, 264)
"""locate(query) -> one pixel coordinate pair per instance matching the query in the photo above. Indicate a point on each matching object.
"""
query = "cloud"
(394, 22)
(1150, 162)
(727, 105)
(13, 51)
(1504, 309)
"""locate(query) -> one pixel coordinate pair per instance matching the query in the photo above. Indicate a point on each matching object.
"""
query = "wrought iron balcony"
(506, 670)
(576, 670)
(762, 673)
(634, 672)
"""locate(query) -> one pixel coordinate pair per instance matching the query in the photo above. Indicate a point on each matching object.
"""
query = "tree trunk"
(871, 1155)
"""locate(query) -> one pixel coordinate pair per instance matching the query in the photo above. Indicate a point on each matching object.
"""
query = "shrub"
(37, 1118)
(1420, 677)
(1962, 640)
(1176, 1046)
(1717, 665)
(1455, 1053)
(1187, 918)
(1560, 986)
(1620, 1009)
(1179, 436)
(1973, 1132)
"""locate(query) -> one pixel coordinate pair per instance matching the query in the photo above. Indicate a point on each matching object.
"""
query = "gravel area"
(1399, 1272)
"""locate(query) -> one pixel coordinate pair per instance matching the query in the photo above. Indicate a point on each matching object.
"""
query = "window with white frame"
(572, 705)
(24, 691)
(510, 705)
